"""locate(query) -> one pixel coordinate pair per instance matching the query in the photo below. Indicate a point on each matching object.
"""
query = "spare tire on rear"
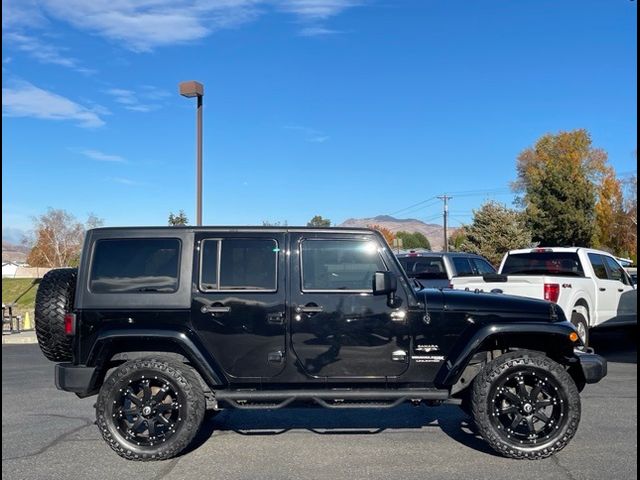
(54, 299)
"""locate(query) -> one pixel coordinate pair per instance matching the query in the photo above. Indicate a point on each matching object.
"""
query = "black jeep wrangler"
(163, 323)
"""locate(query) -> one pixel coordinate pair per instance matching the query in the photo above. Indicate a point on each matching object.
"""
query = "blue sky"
(343, 108)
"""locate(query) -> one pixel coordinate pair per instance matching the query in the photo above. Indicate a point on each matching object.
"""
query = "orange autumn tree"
(612, 232)
(388, 235)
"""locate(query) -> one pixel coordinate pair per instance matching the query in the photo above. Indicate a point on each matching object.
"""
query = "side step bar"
(256, 399)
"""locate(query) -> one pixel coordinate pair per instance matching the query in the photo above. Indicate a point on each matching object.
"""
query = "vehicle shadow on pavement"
(448, 418)
(618, 344)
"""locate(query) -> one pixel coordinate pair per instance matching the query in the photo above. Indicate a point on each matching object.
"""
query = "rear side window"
(463, 267)
(482, 266)
(344, 265)
(597, 262)
(563, 264)
(239, 264)
(426, 268)
(135, 265)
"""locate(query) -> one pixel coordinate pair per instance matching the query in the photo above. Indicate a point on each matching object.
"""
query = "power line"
(414, 205)
(465, 193)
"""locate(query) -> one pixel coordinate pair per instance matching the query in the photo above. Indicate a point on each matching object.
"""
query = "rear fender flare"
(109, 343)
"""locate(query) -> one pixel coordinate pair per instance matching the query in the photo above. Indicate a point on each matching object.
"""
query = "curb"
(24, 338)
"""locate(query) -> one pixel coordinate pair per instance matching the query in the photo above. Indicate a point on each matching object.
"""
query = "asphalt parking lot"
(47, 434)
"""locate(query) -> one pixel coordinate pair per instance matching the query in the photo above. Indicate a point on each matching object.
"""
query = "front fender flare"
(521, 335)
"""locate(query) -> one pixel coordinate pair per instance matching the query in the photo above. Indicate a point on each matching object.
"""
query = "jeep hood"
(495, 306)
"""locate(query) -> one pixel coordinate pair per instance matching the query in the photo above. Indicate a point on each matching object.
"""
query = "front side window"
(616, 272)
(135, 265)
(339, 265)
(239, 264)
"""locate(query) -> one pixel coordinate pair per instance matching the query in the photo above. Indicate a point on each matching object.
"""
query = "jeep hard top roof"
(234, 229)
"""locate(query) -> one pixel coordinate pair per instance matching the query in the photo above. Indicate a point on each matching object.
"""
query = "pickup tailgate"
(522, 286)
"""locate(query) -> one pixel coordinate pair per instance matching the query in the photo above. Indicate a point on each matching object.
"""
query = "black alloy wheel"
(150, 409)
(529, 406)
(525, 405)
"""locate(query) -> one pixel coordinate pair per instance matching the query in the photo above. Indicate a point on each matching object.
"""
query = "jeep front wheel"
(150, 409)
(525, 405)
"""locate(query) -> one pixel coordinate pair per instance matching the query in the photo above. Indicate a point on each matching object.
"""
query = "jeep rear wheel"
(54, 299)
(525, 405)
(150, 409)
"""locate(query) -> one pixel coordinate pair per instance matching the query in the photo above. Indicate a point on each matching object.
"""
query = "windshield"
(565, 264)
(428, 268)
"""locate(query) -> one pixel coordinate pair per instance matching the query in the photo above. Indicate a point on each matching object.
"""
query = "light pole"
(195, 89)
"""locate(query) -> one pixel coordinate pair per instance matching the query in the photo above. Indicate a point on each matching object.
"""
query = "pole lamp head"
(191, 89)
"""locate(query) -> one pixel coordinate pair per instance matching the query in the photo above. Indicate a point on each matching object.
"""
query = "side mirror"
(384, 283)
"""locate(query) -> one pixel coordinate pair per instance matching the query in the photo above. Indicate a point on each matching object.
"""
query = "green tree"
(413, 240)
(319, 222)
(269, 223)
(494, 230)
(456, 240)
(178, 220)
(557, 181)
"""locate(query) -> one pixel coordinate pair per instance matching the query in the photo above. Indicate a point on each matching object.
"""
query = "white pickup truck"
(590, 286)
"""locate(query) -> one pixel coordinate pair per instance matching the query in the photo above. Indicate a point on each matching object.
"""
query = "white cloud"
(317, 32)
(43, 52)
(310, 135)
(23, 99)
(126, 181)
(101, 156)
(316, 9)
(146, 100)
(142, 25)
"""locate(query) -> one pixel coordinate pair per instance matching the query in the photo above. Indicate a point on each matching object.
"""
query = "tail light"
(551, 292)
(70, 324)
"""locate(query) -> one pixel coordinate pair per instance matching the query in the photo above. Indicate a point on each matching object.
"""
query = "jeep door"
(338, 327)
(238, 307)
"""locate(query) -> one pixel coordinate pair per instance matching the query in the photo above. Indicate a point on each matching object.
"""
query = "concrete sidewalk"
(21, 338)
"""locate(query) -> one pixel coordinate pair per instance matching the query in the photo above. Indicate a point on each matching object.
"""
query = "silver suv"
(436, 269)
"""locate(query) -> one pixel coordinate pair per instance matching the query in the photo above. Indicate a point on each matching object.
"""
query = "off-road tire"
(510, 364)
(192, 415)
(54, 299)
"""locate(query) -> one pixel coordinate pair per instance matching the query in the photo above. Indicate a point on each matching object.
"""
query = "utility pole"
(445, 199)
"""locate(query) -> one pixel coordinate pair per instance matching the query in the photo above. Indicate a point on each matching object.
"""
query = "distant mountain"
(14, 253)
(434, 232)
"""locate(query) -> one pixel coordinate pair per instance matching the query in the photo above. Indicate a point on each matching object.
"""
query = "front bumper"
(75, 378)
(594, 367)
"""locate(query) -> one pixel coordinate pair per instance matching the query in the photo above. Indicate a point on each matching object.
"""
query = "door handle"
(399, 316)
(621, 290)
(309, 309)
(275, 318)
(218, 309)
(603, 289)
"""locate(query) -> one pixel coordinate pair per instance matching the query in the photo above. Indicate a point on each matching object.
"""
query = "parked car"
(590, 286)
(437, 269)
(633, 274)
(162, 323)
